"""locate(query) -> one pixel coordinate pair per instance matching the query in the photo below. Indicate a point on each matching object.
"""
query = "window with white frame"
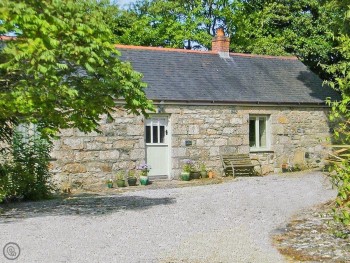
(259, 135)
(156, 130)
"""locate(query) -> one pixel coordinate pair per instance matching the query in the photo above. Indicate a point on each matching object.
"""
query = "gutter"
(237, 103)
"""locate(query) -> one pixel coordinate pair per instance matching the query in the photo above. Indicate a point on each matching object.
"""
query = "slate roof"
(179, 75)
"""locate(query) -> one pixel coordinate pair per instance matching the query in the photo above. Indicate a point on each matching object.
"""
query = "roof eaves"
(243, 103)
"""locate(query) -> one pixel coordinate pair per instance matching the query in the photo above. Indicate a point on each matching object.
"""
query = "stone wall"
(298, 136)
(85, 160)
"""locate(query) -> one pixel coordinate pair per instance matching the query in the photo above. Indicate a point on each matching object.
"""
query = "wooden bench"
(239, 164)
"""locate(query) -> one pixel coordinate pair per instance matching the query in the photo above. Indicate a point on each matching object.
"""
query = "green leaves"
(297, 27)
(25, 174)
(178, 24)
(341, 179)
(340, 115)
(63, 70)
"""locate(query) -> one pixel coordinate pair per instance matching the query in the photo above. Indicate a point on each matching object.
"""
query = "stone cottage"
(270, 107)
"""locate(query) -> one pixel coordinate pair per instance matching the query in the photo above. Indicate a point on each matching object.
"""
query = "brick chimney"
(220, 43)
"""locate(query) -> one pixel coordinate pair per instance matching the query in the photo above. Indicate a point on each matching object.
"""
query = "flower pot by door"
(121, 183)
(195, 175)
(185, 176)
(204, 174)
(284, 168)
(143, 180)
(132, 181)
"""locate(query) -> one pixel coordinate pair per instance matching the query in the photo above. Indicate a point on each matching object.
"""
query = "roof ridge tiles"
(6, 38)
(203, 52)
(164, 49)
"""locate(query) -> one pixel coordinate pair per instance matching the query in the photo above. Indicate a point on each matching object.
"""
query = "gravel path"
(229, 222)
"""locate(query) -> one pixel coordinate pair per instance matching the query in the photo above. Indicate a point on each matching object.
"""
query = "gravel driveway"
(229, 222)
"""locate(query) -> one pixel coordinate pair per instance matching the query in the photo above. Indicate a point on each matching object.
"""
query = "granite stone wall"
(85, 160)
(298, 136)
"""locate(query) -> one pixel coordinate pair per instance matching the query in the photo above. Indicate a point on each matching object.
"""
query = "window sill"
(261, 151)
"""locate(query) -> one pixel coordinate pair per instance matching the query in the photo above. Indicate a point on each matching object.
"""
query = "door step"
(158, 178)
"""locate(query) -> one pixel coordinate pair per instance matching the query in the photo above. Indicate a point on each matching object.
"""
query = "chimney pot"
(221, 43)
(220, 32)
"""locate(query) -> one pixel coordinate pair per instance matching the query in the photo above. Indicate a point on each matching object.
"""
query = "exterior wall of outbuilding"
(298, 136)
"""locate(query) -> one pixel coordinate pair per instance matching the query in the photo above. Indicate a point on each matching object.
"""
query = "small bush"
(339, 169)
(341, 179)
(25, 171)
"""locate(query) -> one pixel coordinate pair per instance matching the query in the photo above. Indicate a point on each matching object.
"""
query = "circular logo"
(11, 251)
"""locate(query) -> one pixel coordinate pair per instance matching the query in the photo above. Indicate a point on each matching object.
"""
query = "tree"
(62, 70)
(169, 23)
(340, 111)
(277, 27)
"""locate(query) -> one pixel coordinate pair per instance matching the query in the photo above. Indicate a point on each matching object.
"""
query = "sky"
(123, 2)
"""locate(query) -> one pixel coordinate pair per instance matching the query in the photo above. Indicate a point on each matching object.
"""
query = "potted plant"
(132, 178)
(284, 167)
(144, 168)
(195, 173)
(203, 170)
(120, 179)
(211, 174)
(109, 183)
(186, 169)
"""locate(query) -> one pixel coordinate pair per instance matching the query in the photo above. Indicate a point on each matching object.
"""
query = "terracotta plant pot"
(211, 174)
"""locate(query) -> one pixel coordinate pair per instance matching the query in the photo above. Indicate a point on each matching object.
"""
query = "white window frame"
(158, 121)
(257, 139)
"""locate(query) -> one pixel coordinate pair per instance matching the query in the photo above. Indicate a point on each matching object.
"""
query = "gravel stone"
(311, 236)
(228, 222)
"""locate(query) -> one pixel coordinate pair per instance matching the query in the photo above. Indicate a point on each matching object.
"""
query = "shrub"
(340, 171)
(25, 171)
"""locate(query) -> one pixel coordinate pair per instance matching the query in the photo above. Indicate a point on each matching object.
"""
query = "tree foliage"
(62, 70)
(278, 27)
(169, 23)
(340, 111)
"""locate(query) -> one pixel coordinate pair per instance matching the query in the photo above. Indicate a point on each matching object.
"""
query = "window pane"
(155, 134)
(262, 132)
(252, 133)
(162, 134)
(148, 134)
